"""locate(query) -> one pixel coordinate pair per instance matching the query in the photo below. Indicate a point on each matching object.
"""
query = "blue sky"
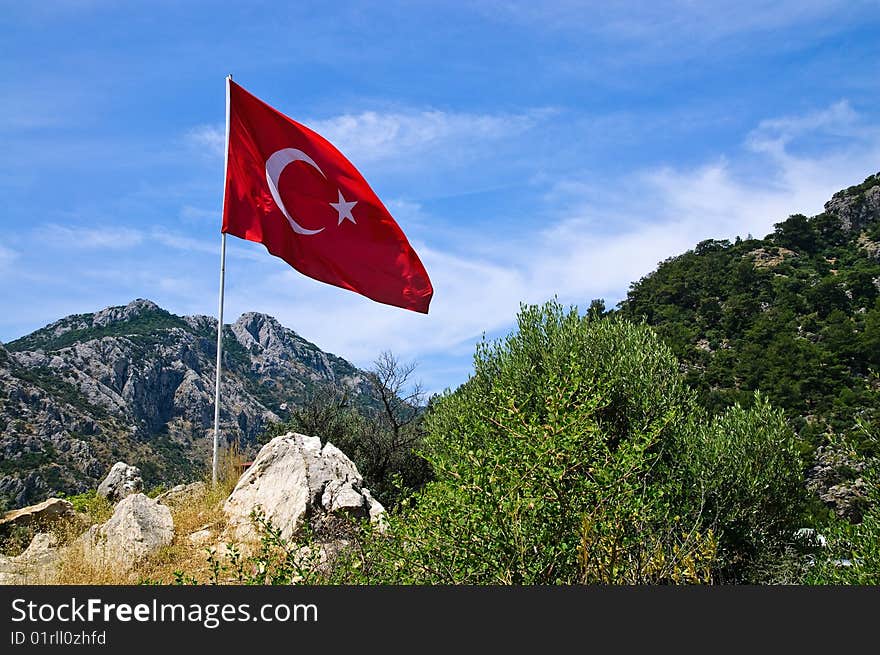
(526, 149)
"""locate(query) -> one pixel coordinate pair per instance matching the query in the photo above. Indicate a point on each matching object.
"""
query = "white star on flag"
(344, 208)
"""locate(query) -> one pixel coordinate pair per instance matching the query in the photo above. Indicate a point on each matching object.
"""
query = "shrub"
(535, 455)
(97, 508)
(574, 454)
(744, 470)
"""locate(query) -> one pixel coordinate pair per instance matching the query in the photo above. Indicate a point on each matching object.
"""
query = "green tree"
(796, 233)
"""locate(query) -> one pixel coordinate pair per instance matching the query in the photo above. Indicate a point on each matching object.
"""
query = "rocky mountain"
(795, 315)
(136, 383)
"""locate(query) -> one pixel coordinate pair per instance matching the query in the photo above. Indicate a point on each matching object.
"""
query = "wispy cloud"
(672, 20)
(210, 139)
(77, 238)
(371, 136)
(375, 136)
(192, 214)
(185, 243)
(110, 238)
(839, 120)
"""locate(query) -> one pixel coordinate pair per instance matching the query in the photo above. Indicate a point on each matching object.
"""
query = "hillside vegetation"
(795, 315)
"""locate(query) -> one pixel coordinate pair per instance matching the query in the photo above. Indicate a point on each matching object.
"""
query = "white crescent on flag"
(276, 163)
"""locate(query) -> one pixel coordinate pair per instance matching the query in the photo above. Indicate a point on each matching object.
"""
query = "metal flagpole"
(220, 311)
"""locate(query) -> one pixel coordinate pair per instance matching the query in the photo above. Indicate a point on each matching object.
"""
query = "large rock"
(139, 527)
(291, 479)
(43, 513)
(122, 481)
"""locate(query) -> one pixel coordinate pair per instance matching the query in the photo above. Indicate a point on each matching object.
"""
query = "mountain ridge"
(135, 382)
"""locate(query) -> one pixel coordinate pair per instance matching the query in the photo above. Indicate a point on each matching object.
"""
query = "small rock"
(220, 551)
(342, 496)
(122, 481)
(810, 537)
(375, 510)
(182, 493)
(36, 565)
(200, 536)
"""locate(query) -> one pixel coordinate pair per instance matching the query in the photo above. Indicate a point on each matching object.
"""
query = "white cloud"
(474, 297)
(209, 138)
(192, 214)
(186, 243)
(117, 238)
(773, 135)
(371, 136)
(108, 237)
(376, 136)
(666, 211)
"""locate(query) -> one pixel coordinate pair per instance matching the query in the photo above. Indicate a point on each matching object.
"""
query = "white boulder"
(122, 480)
(292, 478)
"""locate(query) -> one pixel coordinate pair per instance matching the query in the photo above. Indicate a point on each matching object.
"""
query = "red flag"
(290, 189)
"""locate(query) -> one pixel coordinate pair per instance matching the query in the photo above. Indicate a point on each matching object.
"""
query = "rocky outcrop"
(836, 478)
(122, 481)
(41, 514)
(764, 258)
(871, 248)
(856, 210)
(293, 478)
(138, 528)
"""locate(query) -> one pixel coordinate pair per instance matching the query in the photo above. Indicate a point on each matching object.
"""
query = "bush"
(744, 470)
(574, 454)
(97, 508)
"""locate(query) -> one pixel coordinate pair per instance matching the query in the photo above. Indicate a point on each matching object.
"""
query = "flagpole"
(214, 458)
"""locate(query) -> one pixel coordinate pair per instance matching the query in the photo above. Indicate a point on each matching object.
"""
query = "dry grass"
(200, 511)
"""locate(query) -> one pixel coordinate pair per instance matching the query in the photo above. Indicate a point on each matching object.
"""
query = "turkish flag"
(290, 189)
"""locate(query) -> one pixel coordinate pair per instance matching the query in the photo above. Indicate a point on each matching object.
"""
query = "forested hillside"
(795, 315)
